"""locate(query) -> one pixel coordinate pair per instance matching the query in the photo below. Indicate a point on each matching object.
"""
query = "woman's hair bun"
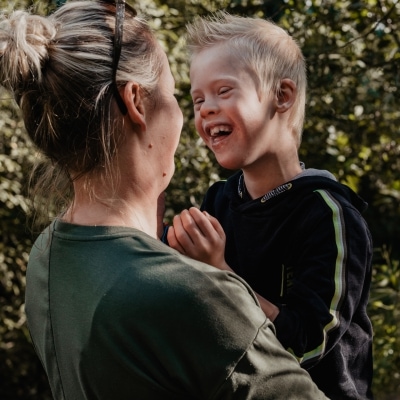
(24, 46)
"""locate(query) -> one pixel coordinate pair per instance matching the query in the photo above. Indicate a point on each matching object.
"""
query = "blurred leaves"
(385, 316)
(21, 375)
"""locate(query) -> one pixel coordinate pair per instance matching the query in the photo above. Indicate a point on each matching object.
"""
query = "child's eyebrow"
(194, 92)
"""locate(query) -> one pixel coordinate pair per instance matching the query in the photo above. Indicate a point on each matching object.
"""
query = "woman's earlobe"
(133, 100)
(286, 95)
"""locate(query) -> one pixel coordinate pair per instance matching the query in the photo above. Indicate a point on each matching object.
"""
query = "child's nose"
(209, 106)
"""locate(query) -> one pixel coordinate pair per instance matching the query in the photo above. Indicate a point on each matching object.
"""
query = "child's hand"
(200, 236)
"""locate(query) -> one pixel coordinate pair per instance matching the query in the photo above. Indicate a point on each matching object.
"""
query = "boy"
(295, 235)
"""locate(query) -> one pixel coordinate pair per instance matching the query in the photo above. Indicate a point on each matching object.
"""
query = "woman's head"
(60, 69)
(260, 46)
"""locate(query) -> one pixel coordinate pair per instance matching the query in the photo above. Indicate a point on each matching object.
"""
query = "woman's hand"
(200, 236)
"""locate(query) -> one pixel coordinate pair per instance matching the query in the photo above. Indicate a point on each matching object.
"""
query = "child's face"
(233, 119)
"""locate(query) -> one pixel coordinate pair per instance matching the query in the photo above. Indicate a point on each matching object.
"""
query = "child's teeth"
(216, 130)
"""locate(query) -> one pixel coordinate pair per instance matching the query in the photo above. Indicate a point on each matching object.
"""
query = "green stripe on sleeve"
(340, 284)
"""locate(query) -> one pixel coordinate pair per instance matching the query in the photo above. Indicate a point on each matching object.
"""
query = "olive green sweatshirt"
(115, 314)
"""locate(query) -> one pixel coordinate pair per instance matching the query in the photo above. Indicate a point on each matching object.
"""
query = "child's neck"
(257, 185)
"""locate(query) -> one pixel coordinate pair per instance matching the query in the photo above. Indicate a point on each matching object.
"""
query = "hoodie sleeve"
(326, 305)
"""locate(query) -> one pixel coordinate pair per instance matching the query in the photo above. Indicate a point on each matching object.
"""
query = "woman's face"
(164, 123)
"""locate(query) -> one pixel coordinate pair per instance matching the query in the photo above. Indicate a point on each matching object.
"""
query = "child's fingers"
(182, 235)
(216, 225)
(173, 241)
(198, 235)
(203, 222)
(191, 226)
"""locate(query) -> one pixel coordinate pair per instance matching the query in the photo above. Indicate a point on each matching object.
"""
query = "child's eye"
(224, 90)
(198, 100)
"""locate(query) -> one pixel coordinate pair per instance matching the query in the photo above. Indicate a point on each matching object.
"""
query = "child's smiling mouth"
(219, 130)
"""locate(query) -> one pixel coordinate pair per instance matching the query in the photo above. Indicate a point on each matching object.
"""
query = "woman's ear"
(285, 95)
(134, 102)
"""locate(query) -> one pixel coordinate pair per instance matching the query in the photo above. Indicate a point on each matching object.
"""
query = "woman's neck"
(134, 213)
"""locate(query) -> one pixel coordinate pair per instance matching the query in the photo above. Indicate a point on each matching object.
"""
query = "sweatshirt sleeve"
(267, 372)
(225, 330)
(327, 301)
(196, 333)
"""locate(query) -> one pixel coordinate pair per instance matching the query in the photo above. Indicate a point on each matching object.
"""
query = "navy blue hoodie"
(306, 248)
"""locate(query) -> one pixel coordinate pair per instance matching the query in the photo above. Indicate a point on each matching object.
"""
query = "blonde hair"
(60, 71)
(267, 50)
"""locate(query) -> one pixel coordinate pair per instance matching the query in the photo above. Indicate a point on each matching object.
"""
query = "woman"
(113, 312)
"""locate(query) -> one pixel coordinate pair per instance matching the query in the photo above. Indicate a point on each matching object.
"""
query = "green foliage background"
(352, 129)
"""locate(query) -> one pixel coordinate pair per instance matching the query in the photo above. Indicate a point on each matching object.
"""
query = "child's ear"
(134, 102)
(285, 95)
